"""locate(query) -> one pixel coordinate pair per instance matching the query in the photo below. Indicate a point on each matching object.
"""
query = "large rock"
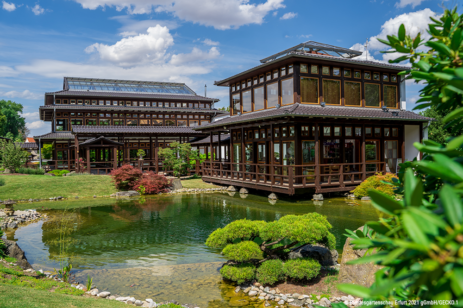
(176, 184)
(14, 251)
(231, 188)
(362, 274)
(324, 256)
(244, 191)
(318, 197)
(127, 194)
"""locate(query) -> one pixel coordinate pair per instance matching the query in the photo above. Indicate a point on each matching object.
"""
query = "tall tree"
(13, 122)
(438, 131)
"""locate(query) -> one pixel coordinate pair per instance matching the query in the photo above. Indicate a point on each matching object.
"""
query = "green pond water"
(154, 247)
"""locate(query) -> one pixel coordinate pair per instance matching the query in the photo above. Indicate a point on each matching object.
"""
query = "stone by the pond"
(231, 188)
(325, 256)
(125, 194)
(362, 274)
(281, 302)
(94, 292)
(176, 184)
(138, 303)
(365, 199)
(318, 197)
(272, 196)
(252, 293)
(238, 301)
(104, 294)
(244, 191)
(14, 251)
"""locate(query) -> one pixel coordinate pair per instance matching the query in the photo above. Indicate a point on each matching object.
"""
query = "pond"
(154, 247)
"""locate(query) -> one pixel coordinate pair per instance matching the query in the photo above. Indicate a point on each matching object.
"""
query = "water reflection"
(157, 245)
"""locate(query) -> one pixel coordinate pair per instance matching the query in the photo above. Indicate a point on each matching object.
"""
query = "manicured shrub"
(55, 172)
(151, 183)
(125, 177)
(63, 172)
(239, 273)
(270, 272)
(37, 171)
(244, 251)
(375, 182)
(301, 268)
(2, 182)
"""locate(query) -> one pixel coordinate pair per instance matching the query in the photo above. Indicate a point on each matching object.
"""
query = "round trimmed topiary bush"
(270, 272)
(239, 273)
(243, 251)
(299, 269)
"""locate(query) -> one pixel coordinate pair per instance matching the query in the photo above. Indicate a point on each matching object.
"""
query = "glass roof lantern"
(128, 86)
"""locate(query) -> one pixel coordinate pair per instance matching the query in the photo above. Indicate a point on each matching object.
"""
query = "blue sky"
(196, 42)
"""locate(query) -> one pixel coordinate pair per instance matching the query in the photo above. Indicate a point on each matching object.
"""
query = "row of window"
(145, 144)
(269, 76)
(130, 103)
(326, 131)
(132, 115)
(348, 73)
(63, 124)
(281, 93)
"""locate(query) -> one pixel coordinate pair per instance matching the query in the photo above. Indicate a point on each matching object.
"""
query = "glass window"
(367, 75)
(236, 103)
(376, 76)
(181, 123)
(156, 122)
(118, 122)
(128, 103)
(393, 78)
(372, 96)
(94, 102)
(390, 96)
(132, 122)
(290, 69)
(305, 131)
(105, 122)
(331, 151)
(256, 134)
(347, 73)
(194, 123)
(377, 131)
(76, 122)
(172, 123)
(337, 131)
(73, 101)
(325, 70)
(79, 102)
(237, 86)
(308, 152)
(259, 102)
(61, 124)
(336, 71)
(58, 101)
(332, 92)
(395, 132)
(368, 132)
(233, 88)
(371, 150)
(261, 78)
(348, 131)
(387, 132)
(275, 74)
(90, 122)
(304, 68)
(352, 96)
(314, 69)
(243, 85)
(276, 132)
(108, 103)
(358, 131)
(283, 71)
(327, 131)
(272, 95)
(292, 131)
(247, 102)
(287, 90)
(309, 90)
(385, 77)
(248, 152)
(357, 74)
(262, 134)
(269, 76)
(65, 101)
(261, 152)
(284, 132)
(249, 82)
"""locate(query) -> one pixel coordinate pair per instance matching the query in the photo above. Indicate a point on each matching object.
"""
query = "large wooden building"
(105, 122)
(314, 117)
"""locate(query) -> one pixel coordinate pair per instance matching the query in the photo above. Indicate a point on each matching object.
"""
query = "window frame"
(318, 90)
(365, 101)
(383, 102)
(266, 94)
(280, 87)
(329, 70)
(364, 75)
(253, 98)
(361, 99)
(339, 70)
(340, 93)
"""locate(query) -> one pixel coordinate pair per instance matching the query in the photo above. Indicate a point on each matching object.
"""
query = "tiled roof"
(132, 95)
(29, 145)
(58, 135)
(101, 138)
(82, 129)
(318, 57)
(132, 108)
(215, 139)
(316, 111)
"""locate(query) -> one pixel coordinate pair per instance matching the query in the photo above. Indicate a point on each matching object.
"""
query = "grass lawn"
(197, 183)
(42, 186)
(23, 297)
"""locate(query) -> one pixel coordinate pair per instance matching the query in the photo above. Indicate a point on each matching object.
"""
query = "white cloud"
(289, 15)
(210, 42)
(134, 50)
(31, 116)
(10, 7)
(5, 86)
(196, 55)
(220, 14)
(37, 10)
(6, 71)
(305, 36)
(404, 3)
(131, 27)
(26, 94)
(415, 22)
(36, 125)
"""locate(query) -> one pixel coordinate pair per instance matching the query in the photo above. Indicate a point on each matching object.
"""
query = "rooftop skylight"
(81, 84)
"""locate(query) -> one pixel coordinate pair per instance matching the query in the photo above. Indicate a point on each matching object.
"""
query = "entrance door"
(288, 152)
(249, 156)
(390, 155)
(261, 158)
(372, 150)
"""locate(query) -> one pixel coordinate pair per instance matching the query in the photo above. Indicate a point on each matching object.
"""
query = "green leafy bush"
(301, 268)
(2, 245)
(37, 171)
(270, 272)
(170, 305)
(376, 182)
(243, 251)
(420, 244)
(55, 172)
(63, 172)
(239, 273)
(2, 182)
